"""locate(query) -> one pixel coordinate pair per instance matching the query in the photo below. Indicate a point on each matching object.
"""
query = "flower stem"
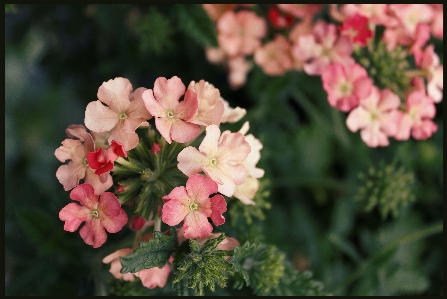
(137, 239)
(157, 223)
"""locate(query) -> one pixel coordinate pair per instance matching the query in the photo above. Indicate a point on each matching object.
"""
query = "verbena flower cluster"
(376, 61)
(155, 173)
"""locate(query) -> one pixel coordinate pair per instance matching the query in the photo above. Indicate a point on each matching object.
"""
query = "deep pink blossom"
(118, 110)
(172, 118)
(377, 117)
(193, 205)
(99, 216)
(102, 159)
(218, 157)
(346, 85)
(356, 28)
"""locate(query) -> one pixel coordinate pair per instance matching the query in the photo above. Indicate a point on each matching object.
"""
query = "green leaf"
(199, 266)
(153, 253)
(195, 22)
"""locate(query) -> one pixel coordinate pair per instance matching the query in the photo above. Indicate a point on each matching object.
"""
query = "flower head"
(356, 28)
(194, 205)
(99, 216)
(274, 57)
(172, 118)
(118, 110)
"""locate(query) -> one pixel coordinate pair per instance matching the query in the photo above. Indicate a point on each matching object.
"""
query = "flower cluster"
(157, 173)
(376, 61)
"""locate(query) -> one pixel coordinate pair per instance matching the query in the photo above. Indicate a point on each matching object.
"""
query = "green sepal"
(153, 253)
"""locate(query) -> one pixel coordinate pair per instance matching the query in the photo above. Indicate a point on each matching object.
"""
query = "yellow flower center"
(193, 206)
(170, 114)
(122, 115)
(95, 213)
(213, 161)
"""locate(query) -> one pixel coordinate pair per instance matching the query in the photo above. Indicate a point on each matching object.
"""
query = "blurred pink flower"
(377, 117)
(410, 15)
(274, 57)
(218, 157)
(321, 48)
(437, 22)
(356, 28)
(193, 205)
(430, 62)
(211, 107)
(417, 119)
(172, 118)
(346, 85)
(240, 33)
(238, 68)
(123, 114)
(99, 216)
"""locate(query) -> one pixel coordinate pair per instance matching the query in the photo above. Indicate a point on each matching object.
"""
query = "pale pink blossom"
(346, 85)
(211, 107)
(321, 48)
(376, 13)
(431, 64)
(70, 174)
(115, 264)
(218, 157)
(192, 205)
(240, 33)
(118, 110)
(232, 115)
(238, 68)
(172, 118)
(154, 277)
(274, 57)
(99, 216)
(410, 15)
(376, 117)
(437, 22)
(417, 119)
(215, 55)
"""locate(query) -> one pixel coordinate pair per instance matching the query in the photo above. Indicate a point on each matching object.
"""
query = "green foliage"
(155, 31)
(10, 8)
(296, 283)
(388, 187)
(260, 266)
(195, 22)
(153, 253)
(199, 266)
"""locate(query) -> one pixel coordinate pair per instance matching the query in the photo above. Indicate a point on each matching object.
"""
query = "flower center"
(170, 114)
(345, 88)
(122, 115)
(193, 206)
(241, 32)
(213, 161)
(95, 213)
(85, 162)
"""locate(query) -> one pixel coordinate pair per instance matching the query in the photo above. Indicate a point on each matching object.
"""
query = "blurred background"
(364, 221)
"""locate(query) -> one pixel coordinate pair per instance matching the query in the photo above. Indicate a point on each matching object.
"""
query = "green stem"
(137, 239)
(415, 236)
(157, 223)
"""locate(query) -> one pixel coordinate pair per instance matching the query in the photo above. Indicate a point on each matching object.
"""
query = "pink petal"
(218, 206)
(178, 193)
(73, 215)
(357, 119)
(184, 131)
(233, 147)
(389, 100)
(164, 126)
(84, 193)
(115, 94)
(188, 107)
(373, 137)
(93, 233)
(137, 109)
(152, 105)
(200, 187)
(174, 212)
(196, 225)
(98, 183)
(190, 161)
(70, 174)
(154, 277)
(168, 92)
(68, 148)
(113, 256)
(99, 118)
(113, 217)
(209, 145)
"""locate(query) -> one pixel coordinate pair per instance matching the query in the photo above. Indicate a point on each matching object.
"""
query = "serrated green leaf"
(153, 253)
(195, 22)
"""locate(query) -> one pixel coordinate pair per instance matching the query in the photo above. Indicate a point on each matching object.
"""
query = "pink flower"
(376, 13)
(154, 277)
(345, 85)
(280, 20)
(420, 109)
(240, 33)
(215, 55)
(218, 157)
(274, 57)
(211, 107)
(99, 216)
(172, 118)
(377, 117)
(232, 115)
(123, 114)
(238, 68)
(115, 264)
(410, 15)
(78, 168)
(356, 28)
(193, 205)
(430, 62)
(322, 48)
(437, 22)
(102, 159)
